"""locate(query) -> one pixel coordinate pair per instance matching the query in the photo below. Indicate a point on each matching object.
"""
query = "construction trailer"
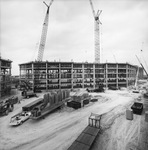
(69, 75)
(5, 77)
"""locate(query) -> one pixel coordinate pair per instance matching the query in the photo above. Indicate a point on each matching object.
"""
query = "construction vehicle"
(25, 85)
(49, 103)
(99, 88)
(7, 105)
(113, 87)
(23, 116)
(28, 94)
(19, 118)
(27, 90)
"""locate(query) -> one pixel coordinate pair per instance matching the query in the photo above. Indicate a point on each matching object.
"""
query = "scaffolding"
(5, 77)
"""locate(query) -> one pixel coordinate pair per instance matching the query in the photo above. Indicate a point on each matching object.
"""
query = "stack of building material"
(79, 99)
(74, 104)
(79, 96)
(63, 94)
(59, 93)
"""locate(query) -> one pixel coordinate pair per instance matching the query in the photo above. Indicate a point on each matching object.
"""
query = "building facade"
(5, 77)
(61, 75)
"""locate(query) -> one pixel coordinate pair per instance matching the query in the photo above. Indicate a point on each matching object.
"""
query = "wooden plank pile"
(79, 99)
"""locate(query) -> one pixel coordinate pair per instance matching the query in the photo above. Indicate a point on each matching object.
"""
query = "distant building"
(61, 75)
(5, 77)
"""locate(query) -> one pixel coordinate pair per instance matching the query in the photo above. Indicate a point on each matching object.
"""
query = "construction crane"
(97, 32)
(44, 33)
(142, 66)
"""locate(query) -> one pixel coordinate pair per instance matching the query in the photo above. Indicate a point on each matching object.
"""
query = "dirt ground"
(59, 129)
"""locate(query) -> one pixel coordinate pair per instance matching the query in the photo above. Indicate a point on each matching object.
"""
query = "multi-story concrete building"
(5, 77)
(58, 75)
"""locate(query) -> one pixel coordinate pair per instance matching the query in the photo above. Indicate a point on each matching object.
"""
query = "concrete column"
(82, 75)
(106, 75)
(59, 75)
(46, 76)
(72, 76)
(10, 69)
(117, 76)
(94, 79)
(126, 75)
(20, 75)
(32, 67)
(0, 78)
(26, 72)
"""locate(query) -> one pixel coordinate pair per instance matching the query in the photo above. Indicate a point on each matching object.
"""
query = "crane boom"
(44, 33)
(142, 66)
(93, 11)
(97, 32)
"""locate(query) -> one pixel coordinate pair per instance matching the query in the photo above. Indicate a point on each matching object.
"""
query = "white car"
(18, 119)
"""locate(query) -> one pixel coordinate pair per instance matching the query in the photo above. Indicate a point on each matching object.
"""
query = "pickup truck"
(19, 118)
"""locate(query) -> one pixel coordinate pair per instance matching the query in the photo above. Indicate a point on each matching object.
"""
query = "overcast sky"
(124, 31)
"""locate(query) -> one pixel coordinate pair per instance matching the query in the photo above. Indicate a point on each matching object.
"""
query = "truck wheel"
(21, 123)
(12, 108)
(6, 112)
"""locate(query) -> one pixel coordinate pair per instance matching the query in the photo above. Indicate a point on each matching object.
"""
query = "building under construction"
(5, 77)
(61, 75)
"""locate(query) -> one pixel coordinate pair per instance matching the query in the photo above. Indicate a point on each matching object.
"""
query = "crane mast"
(44, 34)
(97, 32)
(142, 66)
